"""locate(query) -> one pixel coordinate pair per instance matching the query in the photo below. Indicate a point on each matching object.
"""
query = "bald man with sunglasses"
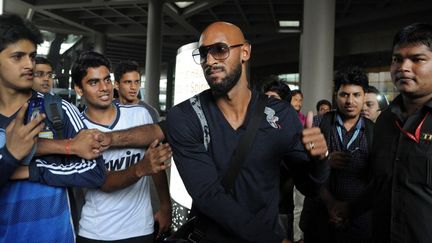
(249, 211)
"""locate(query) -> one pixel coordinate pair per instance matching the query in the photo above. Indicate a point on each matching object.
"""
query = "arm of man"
(63, 170)
(164, 215)
(86, 144)
(203, 183)
(309, 162)
(134, 137)
(152, 163)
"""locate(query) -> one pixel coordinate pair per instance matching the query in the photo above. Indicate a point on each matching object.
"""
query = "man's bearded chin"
(222, 88)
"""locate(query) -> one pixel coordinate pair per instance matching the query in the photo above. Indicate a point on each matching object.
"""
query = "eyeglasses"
(219, 51)
(41, 74)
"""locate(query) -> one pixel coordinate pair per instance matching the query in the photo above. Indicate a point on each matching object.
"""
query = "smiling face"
(97, 88)
(128, 87)
(411, 70)
(349, 100)
(17, 61)
(223, 75)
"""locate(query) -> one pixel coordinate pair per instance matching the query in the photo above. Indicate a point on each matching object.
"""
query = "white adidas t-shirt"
(124, 213)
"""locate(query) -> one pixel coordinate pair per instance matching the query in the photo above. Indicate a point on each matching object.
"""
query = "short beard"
(222, 88)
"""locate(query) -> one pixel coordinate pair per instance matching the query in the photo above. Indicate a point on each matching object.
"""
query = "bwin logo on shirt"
(123, 162)
(271, 118)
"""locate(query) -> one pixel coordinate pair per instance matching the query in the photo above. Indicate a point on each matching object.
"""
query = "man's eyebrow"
(93, 80)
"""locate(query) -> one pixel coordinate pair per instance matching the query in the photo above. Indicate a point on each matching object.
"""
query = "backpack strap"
(196, 105)
(54, 113)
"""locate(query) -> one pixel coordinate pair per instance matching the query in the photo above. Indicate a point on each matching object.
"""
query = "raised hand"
(154, 159)
(20, 137)
(313, 140)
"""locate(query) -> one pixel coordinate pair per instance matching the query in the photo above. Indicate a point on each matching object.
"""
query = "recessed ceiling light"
(289, 23)
(183, 4)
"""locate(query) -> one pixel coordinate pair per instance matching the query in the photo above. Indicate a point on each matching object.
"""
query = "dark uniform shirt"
(402, 177)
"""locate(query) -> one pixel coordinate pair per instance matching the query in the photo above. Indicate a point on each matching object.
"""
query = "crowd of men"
(364, 168)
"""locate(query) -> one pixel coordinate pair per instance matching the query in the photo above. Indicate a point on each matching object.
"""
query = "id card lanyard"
(355, 135)
(416, 136)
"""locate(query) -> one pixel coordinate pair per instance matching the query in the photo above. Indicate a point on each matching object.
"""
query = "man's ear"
(246, 52)
(78, 90)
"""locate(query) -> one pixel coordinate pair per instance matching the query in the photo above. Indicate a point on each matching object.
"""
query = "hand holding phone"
(20, 137)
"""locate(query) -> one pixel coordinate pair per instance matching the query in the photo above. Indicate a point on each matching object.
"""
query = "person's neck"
(350, 122)
(411, 105)
(124, 101)
(103, 116)
(235, 104)
(11, 100)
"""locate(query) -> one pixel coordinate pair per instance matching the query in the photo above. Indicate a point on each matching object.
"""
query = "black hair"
(125, 67)
(351, 75)
(13, 28)
(323, 102)
(381, 98)
(88, 59)
(296, 92)
(417, 33)
(43, 60)
(280, 88)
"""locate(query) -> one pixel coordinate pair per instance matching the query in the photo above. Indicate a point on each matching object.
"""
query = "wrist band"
(67, 146)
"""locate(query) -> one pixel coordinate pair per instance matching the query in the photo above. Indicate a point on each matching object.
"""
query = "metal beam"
(127, 17)
(57, 17)
(243, 15)
(199, 7)
(171, 10)
(272, 12)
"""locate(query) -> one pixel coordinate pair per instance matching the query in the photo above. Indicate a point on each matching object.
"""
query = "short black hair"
(279, 87)
(351, 75)
(87, 59)
(413, 34)
(381, 98)
(125, 67)
(323, 102)
(296, 92)
(43, 60)
(13, 28)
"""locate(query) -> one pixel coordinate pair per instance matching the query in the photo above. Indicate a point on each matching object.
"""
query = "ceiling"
(124, 22)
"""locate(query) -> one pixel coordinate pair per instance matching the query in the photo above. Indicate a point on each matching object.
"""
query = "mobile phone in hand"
(35, 109)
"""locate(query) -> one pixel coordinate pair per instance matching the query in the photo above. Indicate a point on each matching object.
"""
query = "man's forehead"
(221, 32)
(43, 66)
(22, 45)
(353, 88)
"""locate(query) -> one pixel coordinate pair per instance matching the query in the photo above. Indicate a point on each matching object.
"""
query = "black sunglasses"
(219, 51)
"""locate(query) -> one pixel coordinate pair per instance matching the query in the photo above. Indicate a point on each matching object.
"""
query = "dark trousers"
(139, 239)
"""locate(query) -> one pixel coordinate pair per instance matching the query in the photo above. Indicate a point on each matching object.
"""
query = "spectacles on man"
(219, 51)
(41, 74)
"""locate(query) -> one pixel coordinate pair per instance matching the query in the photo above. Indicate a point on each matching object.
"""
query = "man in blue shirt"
(31, 211)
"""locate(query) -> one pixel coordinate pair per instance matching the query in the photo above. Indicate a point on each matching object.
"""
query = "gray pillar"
(99, 43)
(153, 52)
(170, 85)
(1, 6)
(317, 52)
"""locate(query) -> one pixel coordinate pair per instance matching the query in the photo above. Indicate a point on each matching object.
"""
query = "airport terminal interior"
(283, 35)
